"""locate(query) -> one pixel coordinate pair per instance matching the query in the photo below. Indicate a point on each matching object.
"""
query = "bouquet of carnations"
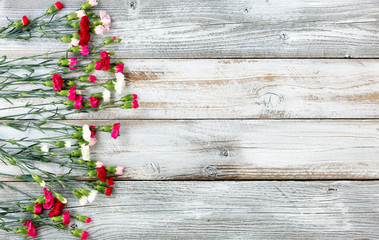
(70, 85)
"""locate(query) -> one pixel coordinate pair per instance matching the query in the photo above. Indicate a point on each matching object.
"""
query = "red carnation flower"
(57, 208)
(58, 82)
(58, 5)
(108, 191)
(102, 173)
(84, 31)
(110, 181)
(93, 130)
(25, 20)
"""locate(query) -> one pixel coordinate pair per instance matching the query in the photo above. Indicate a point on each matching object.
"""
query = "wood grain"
(223, 29)
(227, 210)
(239, 149)
(206, 89)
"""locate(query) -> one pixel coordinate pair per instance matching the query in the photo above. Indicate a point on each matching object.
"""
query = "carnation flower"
(80, 13)
(66, 218)
(91, 78)
(39, 180)
(115, 130)
(84, 50)
(72, 64)
(135, 104)
(92, 142)
(106, 96)
(45, 148)
(49, 199)
(37, 209)
(92, 195)
(83, 200)
(104, 63)
(72, 93)
(30, 228)
(100, 30)
(25, 20)
(58, 82)
(84, 219)
(105, 19)
(84, 31)
(102, 173)
(108, 191)
(85, 152)
(67, 144)
(110, 181)
(120, 83)
(99, 164)
(119, 68)
(86, 133)
(74, 42)
(79, 233)
(119, 170)
(57, 208)
(79, 102)
(94, 101)
(56, 7)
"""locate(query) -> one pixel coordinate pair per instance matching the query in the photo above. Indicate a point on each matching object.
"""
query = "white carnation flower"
(120, 83)
(85, 152)
(106, 96)
(83, 200)
(92, 196)
(67, 144)
(86, 133)
(45, 148)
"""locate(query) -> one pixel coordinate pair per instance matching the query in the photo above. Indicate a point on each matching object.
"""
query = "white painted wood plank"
(192, 89)
(224, 29)
(227, 210)
(238, 149)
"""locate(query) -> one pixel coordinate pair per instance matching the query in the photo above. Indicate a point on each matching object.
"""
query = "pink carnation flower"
(79, 102)
(119, 170)
(49, 199)
(84, 50)
(66, 218)
(115, 130)
(72, 93)
(119, 68)
(99, 164)
(73, 62)
(91, 78)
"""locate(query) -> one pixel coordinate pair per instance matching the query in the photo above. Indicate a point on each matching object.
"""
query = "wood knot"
(224, 153)
(210, 171)
(283, 36)
(153, 168)
(132, 5)
(271, 100)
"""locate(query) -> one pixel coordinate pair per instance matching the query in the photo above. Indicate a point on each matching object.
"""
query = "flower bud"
(75, 49)
(40, 200)
(28, 208)
(92, 173)
(70, 83)
(62, 93)
(76, 25)
(129, 98)
(21, 230)
(48, 83)
(90, 67)
(109, 84)
(64, 62)
(59, 143)
(60, 198)
(106, 128)
(84, 219)
(69, 103)
(76, 153)
(17, 24)
(77, 134)
(97, 95)
(39, 180)
(79, 233)
(108, 41)
(56, 7)
(62, 226)
(66, 38)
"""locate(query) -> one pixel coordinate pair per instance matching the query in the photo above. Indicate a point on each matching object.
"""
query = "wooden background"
(282, 94)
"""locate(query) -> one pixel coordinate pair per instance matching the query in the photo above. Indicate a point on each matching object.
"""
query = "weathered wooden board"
(224, 29)
(239, 149)
(192, 89)
(227, 210)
